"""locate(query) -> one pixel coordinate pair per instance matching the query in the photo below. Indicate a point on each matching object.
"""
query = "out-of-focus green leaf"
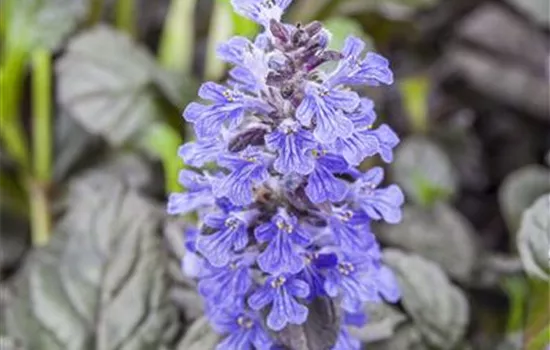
(440, 234)
(221, 29)
(424, 171)
(341, 28)
(44, 23)
(414, 92)
(516, 288)
(520, 189)
(533, 239)
(537, 328)
(199, 336)
(100, 283)
(177, 40)
(439, 309)
(163, 141)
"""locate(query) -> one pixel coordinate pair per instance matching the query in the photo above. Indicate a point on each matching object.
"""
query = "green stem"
(12, 132)
(177, 39)
(40, 214)
(221, 29)
(96, 9)
(126, 16)
(42, 115)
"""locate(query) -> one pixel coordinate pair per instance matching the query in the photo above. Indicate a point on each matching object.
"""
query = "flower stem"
(42, 145)
(126, 16)
(12, 132)
(40, 214)
(94, 15)
(177, 39)
(42, 119)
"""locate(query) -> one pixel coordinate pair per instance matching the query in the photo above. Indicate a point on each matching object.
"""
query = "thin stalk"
(221, 29)
(126, 16)
(42, 115)
(96, 9)
(176, 50)
(42, 146)
(12, 132)
(40, 214)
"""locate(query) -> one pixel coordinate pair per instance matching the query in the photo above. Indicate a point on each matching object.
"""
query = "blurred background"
(91, 95)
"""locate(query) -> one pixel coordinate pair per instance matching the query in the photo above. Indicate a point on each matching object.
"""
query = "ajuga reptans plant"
(285, 216)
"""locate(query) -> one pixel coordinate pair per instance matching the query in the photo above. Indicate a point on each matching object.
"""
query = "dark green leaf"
(533, 238)
(439, 309)
(100, 284)
(440, 234)
(520, 190)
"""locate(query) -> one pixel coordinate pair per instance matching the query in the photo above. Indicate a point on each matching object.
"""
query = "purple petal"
(323, 186)
(280, 256)
(261, 297)
(285, 310)
(387, 285)
(298, 288)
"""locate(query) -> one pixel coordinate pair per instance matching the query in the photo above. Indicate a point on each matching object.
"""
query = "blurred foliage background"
(91, 94)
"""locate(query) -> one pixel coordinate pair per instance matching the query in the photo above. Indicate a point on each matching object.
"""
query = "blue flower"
(312, 274)
(322, 185)
(372, 70)
(228, 106)
(285, 236)
(261, 11)
(364, 141)
(327, 106)
(350, 228)
(281, 292)
(201, 152)
(198, 195)
(387, 140)
(351, 281)
(251, 63)
(378, 203)
(294, 146)
(230, 236)
(236, 279)
(388, 286)
(243, 328)
(285, 218)
(248, 169)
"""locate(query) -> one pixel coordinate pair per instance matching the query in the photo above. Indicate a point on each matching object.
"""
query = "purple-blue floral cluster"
(284, 213)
